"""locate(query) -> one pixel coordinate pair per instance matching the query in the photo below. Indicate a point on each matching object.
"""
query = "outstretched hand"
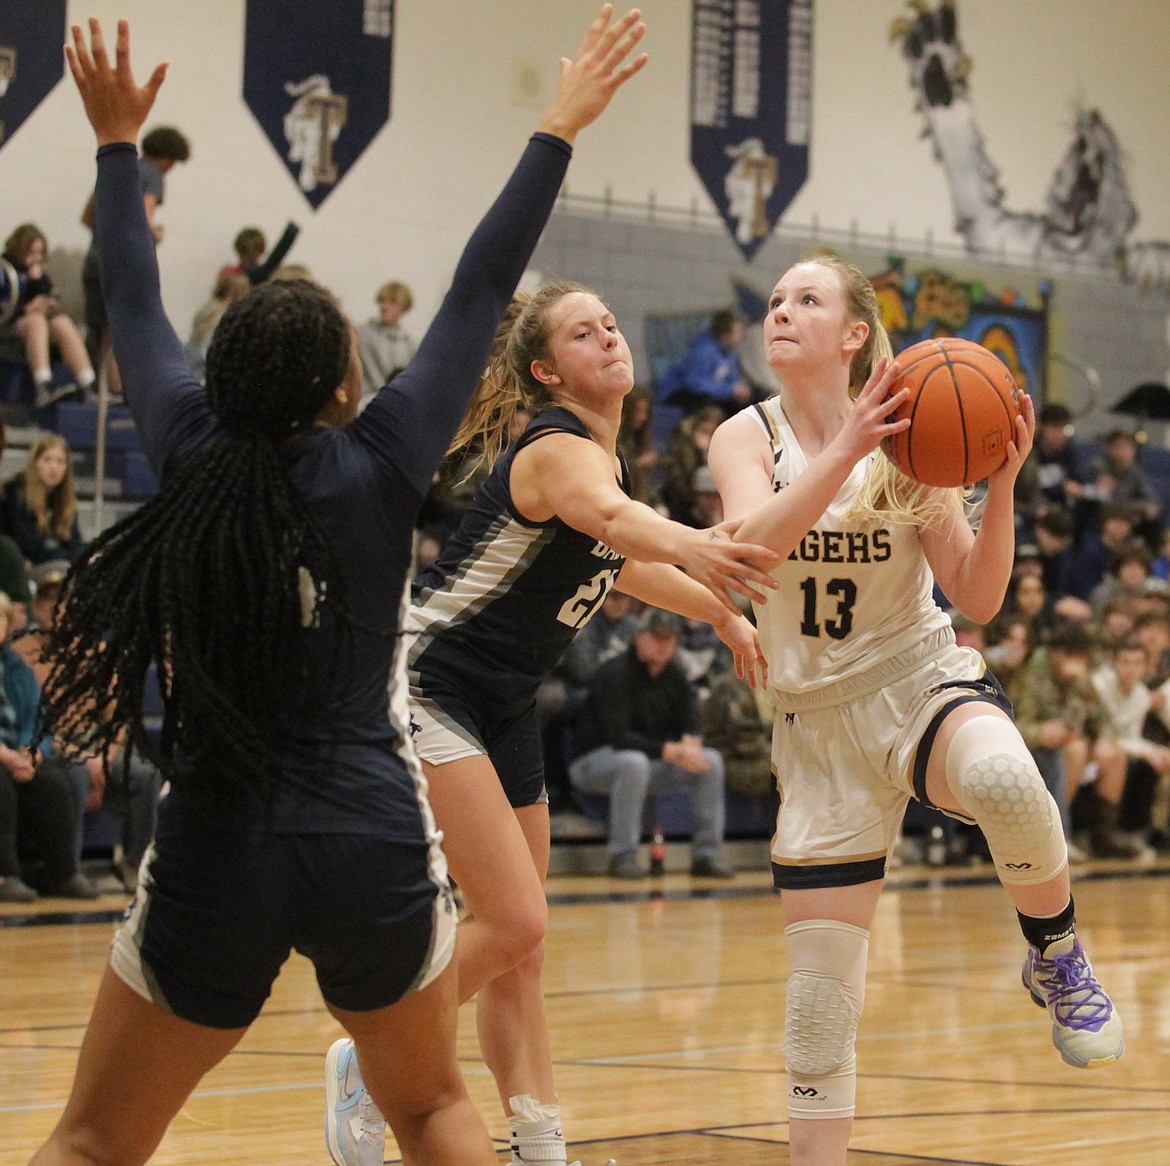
(869, 424)
(595, 74)
(723, 566)
(114, 103)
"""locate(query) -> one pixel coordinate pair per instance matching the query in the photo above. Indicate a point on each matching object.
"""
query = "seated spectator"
(37, 318)
(706, 505)
(228, 288)
(737, 724)
(1126, 579)
(1120, 684)
(1116, 479)
(637, 735)
(1052, 474)
(1008, 641)
(39, 505)
(40, 798)
(1094, 552)
(1054, 532)
(13, 569)
(686, 450)
(1118, 620)
(1059, 715)
(384, 346)
(636, 444)
(250, 246)
(134, 783)
(709, 373)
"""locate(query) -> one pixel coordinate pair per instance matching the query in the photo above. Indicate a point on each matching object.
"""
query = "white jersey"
(850, 599)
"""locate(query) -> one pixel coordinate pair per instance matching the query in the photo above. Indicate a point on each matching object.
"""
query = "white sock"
(537, 1138)
(42, 376)
(86, 377)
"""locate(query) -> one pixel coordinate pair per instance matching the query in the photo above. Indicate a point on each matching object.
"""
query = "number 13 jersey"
(850, 598)
(506, 596)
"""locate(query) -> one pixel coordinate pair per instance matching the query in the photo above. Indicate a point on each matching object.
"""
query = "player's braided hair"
(216, 578)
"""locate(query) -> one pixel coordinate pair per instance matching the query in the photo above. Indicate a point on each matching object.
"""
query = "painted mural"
(1088, 210)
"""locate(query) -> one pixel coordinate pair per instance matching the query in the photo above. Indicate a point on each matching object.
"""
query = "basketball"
(963, 406)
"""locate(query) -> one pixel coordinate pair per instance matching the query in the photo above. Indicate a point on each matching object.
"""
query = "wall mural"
(1088, 211)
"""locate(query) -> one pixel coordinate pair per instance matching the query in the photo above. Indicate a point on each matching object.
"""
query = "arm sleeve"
(169, 405)
(411, 421)
(262, 271)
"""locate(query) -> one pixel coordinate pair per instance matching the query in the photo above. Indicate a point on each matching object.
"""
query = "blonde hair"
(55, 510)
(887, 495)
(396, 292)
(507, 384)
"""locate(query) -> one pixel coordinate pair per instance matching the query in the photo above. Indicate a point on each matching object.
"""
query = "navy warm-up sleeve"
(412, 420)
(169, 405)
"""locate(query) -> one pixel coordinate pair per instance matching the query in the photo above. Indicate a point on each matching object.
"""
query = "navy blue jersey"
(506, 596)
(364, 483)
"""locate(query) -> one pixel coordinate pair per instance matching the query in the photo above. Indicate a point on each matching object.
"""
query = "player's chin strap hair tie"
(826, 992)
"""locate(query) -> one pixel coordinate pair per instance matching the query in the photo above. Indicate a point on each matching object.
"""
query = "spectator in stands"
(636, 444)
(709, 373)
(1097, 548)
(686, 451)
(39, 506)
(228, 288)
(250, 246)
(1060, 717)
(1053, 534)
(1052, 474)
(1117, 622)
(737, 724)
(13, 568)
(1116, 479)
(1120, 684)
(40, 798)
(1160, 567)
(1007, 644)
(1028, 597)
(162, 149)
(37, 318)
(639, 734)
(385, 347)
(706, 505)
(133, 785)
(1126, 580)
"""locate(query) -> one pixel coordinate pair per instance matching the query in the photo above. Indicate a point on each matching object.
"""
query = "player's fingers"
(80, 51)
(100, 57)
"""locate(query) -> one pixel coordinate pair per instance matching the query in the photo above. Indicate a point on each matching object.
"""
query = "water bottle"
(657, 852)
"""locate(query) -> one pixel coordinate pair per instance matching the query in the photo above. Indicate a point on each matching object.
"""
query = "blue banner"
(751, 109)
(32, 36)
(317, 79)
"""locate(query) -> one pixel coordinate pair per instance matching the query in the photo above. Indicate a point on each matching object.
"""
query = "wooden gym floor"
(666, 1006)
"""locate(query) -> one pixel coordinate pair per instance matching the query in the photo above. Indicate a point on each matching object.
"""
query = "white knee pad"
(995, 780)
(826, 992)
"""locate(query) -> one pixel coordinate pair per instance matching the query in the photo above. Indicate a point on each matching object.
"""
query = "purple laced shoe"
(1086, 1029)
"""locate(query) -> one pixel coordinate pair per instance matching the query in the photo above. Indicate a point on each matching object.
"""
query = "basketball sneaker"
(355, 1130)
(1086, 1029)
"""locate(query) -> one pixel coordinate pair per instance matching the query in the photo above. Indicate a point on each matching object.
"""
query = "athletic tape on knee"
(826, 992)
(995, 780)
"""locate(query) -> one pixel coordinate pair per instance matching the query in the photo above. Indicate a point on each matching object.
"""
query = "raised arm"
(414, 418)
(168, 403)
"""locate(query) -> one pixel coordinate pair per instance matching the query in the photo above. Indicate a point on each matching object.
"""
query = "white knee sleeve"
(825, 994)
(995, 780)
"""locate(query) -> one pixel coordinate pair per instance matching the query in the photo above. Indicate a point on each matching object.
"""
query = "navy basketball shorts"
(448, 724)
(217, 913)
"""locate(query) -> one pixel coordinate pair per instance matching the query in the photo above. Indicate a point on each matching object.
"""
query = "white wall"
(458, 123)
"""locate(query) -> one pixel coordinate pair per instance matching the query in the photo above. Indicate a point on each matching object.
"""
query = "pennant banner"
(751, 109)
(317, 79)
(32, 33)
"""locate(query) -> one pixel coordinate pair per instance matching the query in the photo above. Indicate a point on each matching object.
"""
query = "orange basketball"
(962, 407)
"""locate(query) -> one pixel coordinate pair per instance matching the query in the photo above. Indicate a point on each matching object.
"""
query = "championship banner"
(317, 79)
(32, 33)
(751, 109)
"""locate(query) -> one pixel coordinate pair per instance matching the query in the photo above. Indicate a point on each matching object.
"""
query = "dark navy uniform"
(344, 863)
(491, 618)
